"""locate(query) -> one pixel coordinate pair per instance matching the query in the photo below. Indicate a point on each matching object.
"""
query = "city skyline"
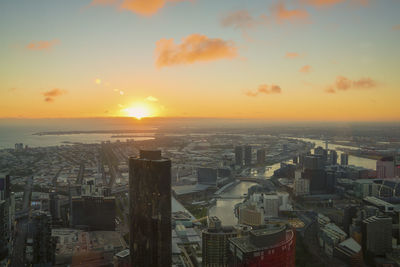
(313, 60)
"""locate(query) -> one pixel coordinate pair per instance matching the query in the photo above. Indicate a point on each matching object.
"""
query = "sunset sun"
(138, 111)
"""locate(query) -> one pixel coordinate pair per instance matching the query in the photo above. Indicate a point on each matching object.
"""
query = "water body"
(224, 207)
(11, 135)
(353, 160)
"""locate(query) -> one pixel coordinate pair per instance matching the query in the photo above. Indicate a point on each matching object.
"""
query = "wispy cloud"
(292, 55)
(330, 90)
(282, 14)
(142, 7)
(319, 3)
(305, 69)
(396, 27)
(278, 14)
(193, 48)
(344, 84)
(42, 45)
(241, 19)
(327, 3)
(265, 89)
(365, 83)
(49, 96)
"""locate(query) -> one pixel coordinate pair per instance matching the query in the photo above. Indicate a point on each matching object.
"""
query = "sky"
(322, 60)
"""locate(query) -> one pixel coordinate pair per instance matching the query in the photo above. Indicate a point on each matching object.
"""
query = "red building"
(273, 246)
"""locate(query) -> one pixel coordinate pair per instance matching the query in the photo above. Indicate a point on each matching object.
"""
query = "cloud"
(330, 90)
(151, 99)
(240, 19)
(396, 27)
(282, 14)
(365, 83)
(327, 3)
(265, 89)
(141, 7)
(305, 69)
(320, 3)
(292, 55)
(344, 84)
(193, 48)
(52, 94)
(42, 45)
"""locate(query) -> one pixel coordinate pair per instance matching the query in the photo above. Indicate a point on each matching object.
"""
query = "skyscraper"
(377, 235)
(247, 155)
(43, 246)
(239, 155)
(385, 168)
(344, 159)
(150, 209)
(3, 231)
(5, 216)
(215, 243)
(333, 157)
(261, 156)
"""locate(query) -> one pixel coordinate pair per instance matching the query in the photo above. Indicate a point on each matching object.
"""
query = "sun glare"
(138, 111)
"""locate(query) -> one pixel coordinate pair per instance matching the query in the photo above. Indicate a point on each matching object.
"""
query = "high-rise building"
(313, 162)
(322, 153)
(274, 245)
(55, 208)
(261, 156)
(42, 245)
(301, 187)
(344, 159)
(215, 243)
(3, 231)
(333, 156)
(385, 168)
(239, 155)
(150, 209)
(317, 181)
(377, 235)
(6, 216)
(247, 155)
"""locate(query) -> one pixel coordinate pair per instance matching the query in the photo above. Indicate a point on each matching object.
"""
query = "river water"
(224, 208)
(353, 160)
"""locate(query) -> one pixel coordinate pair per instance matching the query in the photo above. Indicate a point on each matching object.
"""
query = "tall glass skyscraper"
(150, 209)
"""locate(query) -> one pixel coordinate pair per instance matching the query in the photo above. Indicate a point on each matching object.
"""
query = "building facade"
(377, 235)
(215, 245)
(239, 155)
(150, 209)
(261, 156)
(247, 155)
(273, 246)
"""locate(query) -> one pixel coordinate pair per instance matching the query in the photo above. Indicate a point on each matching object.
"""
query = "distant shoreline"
(152, 132)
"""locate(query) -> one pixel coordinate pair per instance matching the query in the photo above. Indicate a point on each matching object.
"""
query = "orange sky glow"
(312, 60)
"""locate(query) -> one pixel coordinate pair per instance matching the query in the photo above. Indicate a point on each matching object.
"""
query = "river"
(224, 208)
(353, 160)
